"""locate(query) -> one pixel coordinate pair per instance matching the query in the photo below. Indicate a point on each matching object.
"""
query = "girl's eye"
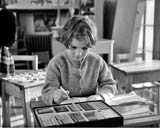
(73, 47)
(85, 48)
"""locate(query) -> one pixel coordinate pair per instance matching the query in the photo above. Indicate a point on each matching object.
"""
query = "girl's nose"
(79, 52)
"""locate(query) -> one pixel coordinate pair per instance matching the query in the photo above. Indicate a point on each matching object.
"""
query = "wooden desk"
(136, 72)
(23, 90)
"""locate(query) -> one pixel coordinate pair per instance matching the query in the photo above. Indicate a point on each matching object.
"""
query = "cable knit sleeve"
(52, 81)
(107, 85)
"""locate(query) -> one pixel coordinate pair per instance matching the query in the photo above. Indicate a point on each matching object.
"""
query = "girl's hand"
(60, 96)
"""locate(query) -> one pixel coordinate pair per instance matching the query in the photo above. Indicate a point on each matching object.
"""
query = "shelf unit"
(39, 20)
(44, 16)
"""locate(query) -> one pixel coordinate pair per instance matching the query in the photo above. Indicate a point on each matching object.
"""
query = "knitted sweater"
(84, 78)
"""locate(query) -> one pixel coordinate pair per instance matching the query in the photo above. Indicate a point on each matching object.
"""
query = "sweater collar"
(76, 64)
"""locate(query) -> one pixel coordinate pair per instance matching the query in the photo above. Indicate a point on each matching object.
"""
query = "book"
(129, 98)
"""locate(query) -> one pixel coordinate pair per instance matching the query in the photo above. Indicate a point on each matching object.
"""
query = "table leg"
(158, 106)
(24, 108)
(27, 108)
(129, 81)
(158, 109)
(5, 107)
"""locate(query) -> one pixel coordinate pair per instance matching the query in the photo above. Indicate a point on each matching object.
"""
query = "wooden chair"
(103, 47)
(43, 59)
(26, 58)
(126, 57)
(25, 105)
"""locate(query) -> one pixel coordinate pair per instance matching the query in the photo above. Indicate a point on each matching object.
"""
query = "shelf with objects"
(87, 8)
(38, 18)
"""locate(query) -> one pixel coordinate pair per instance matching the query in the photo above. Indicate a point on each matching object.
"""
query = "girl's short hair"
(81, 28)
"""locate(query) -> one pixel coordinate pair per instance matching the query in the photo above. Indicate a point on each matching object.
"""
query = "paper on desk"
(131, 97)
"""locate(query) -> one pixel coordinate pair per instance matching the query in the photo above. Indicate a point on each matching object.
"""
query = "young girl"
(80, 72)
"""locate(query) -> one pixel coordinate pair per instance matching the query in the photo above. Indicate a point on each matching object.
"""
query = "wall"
(99, 17)
(117, 22)
(109, 10)
(124, 25)
(26, 22)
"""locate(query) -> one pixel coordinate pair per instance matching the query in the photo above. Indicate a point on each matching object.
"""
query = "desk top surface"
(138, 66)
(26, 78)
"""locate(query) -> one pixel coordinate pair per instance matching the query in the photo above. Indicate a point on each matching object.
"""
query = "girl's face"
(78, 49)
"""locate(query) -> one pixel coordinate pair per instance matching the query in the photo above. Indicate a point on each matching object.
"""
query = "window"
(145, 42)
